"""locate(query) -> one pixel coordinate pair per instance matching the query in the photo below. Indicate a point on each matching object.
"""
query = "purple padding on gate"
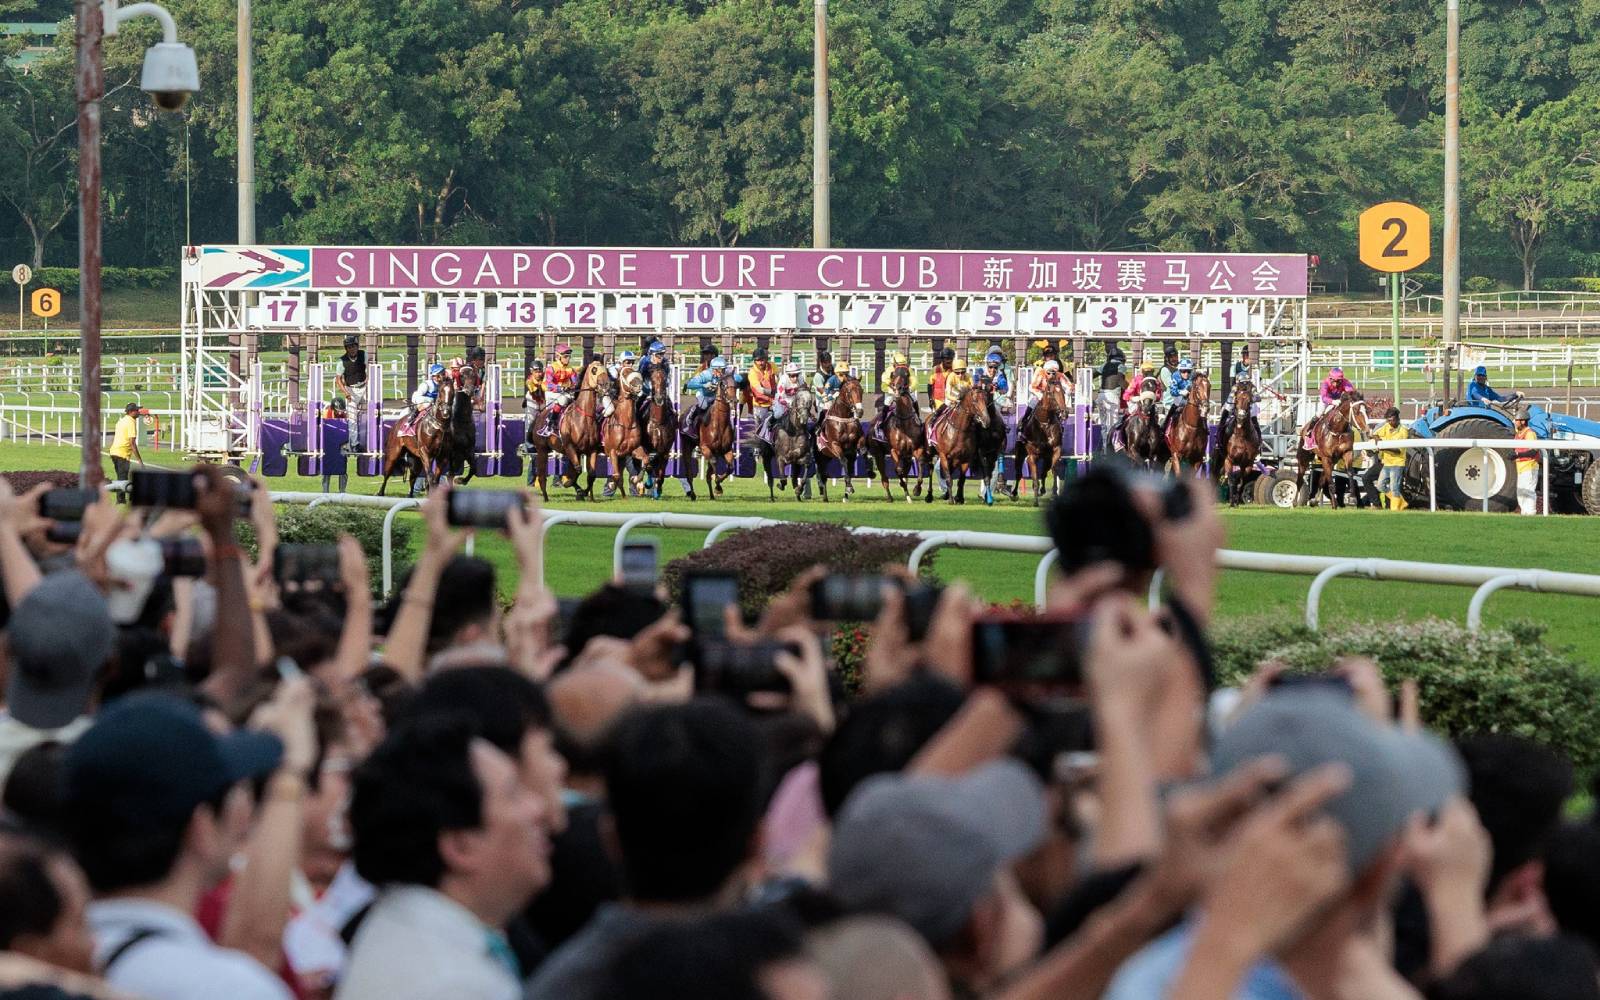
(511, 438)
(335, 434)
(275, 436)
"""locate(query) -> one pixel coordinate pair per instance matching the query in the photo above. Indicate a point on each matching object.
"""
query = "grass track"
(579, 559)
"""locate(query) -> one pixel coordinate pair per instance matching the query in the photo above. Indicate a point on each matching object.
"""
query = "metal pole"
(1394, 332)
(91, 86)
(247, 132)
(821, 213)
(1452, 187)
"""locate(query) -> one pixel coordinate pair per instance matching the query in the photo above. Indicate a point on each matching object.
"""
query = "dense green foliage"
(1230, 124)
(1507, 680)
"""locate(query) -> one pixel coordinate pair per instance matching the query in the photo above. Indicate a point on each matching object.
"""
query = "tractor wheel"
(1590, 491)
(1261, 489)
(1466, 474)
(1283, 490)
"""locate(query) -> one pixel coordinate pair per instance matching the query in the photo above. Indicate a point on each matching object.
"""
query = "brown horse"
(841, 436)
(1040, 441)
(579, 432)
(1333, 435)
(1187, 437)
(958, 436)
(413, 449)
(660, 433)
(458, 443)
(715, 436)
(1241, 442)
(621, 436)
(906, 440)
(1142, 440)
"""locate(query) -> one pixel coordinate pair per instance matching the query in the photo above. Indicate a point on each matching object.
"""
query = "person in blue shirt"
(704, 385)
(1178, 389)
(1481, 392)
(826, 381)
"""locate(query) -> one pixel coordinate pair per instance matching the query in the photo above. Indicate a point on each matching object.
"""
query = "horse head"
(850, 393)
(658, 380)
(1054, 398)
(805, 405)
(976, 402)
(1200, 390)
(596, 377)
(1358, 411)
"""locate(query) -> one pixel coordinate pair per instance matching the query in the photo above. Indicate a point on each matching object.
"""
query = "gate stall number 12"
(578, 311)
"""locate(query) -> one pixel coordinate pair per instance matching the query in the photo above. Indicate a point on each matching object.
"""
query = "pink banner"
(961, 272)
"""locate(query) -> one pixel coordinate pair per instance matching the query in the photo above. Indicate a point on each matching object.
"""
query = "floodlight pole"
(821, 195)
(89, 27)
(247, 131)
(1452, 187)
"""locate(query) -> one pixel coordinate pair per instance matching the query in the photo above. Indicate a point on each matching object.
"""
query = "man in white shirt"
(158, 805)
(456, 843)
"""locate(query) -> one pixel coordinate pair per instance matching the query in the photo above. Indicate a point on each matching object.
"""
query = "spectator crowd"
(258, 782)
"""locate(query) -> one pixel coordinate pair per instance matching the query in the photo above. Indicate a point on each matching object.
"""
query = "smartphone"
(706, 598)
(182, 557)
(64, 532)
(851, 598)
(162, 488)
(299, 564)
(1318, 682)
(1095, 520)
(640, 560)
(482, 508)
(738, 668)
(1030, 658)
(66, 504)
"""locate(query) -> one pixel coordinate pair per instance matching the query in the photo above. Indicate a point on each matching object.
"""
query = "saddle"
(939, 420)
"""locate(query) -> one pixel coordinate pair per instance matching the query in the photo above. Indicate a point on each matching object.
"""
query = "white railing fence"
(1485, 579)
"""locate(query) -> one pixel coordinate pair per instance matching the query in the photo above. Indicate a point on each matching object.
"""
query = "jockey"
(1169, 369)
(1479, 391)
(1255, 404)
(782, 398)
(1044, 376)
(533, 385)
(995, 371)
(560, 382)
(886, 387)
(1178, 389)
(956, 384)
(619, 373)
(825, 381)
(655, 357)
(705, 385)
(937, 378)
(425, 396)
(1334, 387)
(1144, 380)
(337, 409)
(760, 381)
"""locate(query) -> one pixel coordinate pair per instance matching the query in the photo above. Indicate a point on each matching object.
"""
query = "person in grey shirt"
(684, 786)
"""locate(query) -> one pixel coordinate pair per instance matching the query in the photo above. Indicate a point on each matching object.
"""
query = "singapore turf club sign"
(615, 269)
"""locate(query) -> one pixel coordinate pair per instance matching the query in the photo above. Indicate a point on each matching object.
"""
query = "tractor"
(1465, 475)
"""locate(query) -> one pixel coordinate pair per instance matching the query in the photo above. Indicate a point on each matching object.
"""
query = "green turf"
(579, 559)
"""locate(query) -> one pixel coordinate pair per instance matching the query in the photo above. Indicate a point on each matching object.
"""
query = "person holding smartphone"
(125, 446)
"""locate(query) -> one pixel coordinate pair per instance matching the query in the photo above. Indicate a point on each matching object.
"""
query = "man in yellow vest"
(1393, 460)
(125, 446)
(1527, 466)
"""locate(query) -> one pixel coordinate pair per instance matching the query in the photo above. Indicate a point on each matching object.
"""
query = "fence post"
(1314, 596)
(1041, 578)
(927, 545)
(1523, 578)
(388, 540)
(551, 519)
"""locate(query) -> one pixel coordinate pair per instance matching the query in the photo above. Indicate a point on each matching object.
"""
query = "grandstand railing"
(1323, 569)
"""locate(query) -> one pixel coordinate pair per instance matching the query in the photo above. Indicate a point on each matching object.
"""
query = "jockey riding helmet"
(657, 347)
(1186, 365)
(1148, 368)
(792, 369)
(960, 364)
(1480, 372)
(1052, 365)
(1336, 373)
(435, 370)
(476, 353)
(628, 356)
(760, 355)
(351, 341)
(995, 357)
(948, 354)
(900, 358)
(563, 349)
(719, 362)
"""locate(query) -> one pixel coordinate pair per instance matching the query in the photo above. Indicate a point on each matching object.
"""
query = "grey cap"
(1395, 774)
(926, 848)
(60, 635)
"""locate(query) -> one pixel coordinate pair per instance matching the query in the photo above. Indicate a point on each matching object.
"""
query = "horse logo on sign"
(255, 267)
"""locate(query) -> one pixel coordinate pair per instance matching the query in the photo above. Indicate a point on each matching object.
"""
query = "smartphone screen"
(67, 504)
(1030, 658)
(843, 597)
(639, 564)
(706, 598)
(159, 488)
(481, 508)
(302, 563)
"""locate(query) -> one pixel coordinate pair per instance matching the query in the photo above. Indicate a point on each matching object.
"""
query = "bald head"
(877, 958)
(586, 700)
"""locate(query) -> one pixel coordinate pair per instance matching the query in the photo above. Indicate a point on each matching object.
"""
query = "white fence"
(1485, 579)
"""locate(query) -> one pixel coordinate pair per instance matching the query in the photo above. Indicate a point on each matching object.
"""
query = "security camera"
(170, 75)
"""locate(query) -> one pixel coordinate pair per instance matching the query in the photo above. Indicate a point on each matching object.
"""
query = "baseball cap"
(926, 848)
(151, 754)
(61, 635)
(1395, 774)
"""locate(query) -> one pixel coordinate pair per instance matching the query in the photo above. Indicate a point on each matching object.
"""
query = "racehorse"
(958, 436)
(1040, 441)
(1142, 440)
(579, 432)
(1241, 442)
(715, 436)
(540, 446)
(460, 438)
(1187, 438)
(660, 434)
(414, 448)
(620, 436)
(991, 441)
(1333, 436)
(906, 439)
(792, 453)
(841, 435)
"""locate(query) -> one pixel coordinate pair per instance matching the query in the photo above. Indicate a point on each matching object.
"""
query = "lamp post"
(170, 75)
(821, 211)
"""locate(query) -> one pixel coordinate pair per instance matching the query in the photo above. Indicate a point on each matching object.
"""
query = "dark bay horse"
(958, 436)
(1241, 442)
(1040, 441)
(579, 432)
(414, 449)
(716, 436)
(621, 436)
(841, 435)
(1142, 439)
(1333, 437)
(540, 446)
(792, 454)
(1187, 438)
(906, 440)
(458, 444)
(660, 433)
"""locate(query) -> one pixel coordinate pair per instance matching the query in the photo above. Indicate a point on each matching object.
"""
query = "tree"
(39, 123)
(1533, 174)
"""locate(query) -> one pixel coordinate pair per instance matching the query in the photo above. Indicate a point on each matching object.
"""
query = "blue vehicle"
(1465, 475)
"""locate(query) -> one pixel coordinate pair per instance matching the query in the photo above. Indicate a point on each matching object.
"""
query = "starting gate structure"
(246, 307)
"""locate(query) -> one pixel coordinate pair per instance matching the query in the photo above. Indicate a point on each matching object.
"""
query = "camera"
(482, 508)
(706, 598)
(639, 559)
(177, 490)
(66, 504)
(182, 557)
(737, 668)
(170, 75)
(1096, 521)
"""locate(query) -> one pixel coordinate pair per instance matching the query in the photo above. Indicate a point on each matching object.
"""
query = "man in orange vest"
(936, 378)
(1527, 466)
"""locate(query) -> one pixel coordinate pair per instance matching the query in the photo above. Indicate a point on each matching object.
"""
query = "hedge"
(22, 482)
(66, 278)
(1578, 284)
(1502, 680)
